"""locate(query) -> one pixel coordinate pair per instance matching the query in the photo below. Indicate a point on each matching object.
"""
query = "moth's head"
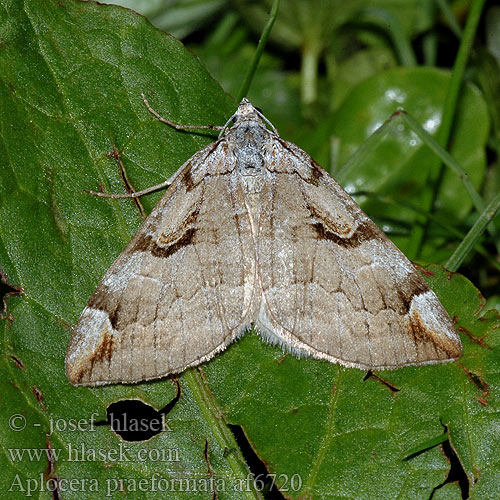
(246, 112)
(249, 114)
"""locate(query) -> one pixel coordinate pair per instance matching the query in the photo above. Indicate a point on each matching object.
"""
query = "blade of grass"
(309, 73)
(459, 69)
(260, 48)
(442, 154)
(488, 88)
(453, 164)
(370, 143)
(334, 154)
(427, 139)
(364, 150)
(445, 157)
(430, 39)
(474, 234)
(444, 132)
(449, 17)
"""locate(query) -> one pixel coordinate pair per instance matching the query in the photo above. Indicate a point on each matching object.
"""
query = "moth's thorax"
(248, 141)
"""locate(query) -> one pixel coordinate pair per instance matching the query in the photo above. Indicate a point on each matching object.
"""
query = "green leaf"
(450, 491)
(71, 74)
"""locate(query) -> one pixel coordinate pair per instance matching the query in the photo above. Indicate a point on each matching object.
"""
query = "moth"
(253, 232)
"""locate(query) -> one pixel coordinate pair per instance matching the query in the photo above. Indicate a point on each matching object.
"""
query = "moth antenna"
(178, 126)
(223, 129)
(266, 120)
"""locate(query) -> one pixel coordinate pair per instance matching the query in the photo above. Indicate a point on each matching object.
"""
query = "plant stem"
(260, 49)
(215, 420)
(474, 234)
(309, 76)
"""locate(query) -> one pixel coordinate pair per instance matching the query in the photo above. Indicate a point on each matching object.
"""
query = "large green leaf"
(71, 75)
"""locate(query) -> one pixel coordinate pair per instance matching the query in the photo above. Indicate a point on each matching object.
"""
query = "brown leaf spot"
(39, 396)
(478, 381)
(477, 340)
(49, 474)
(384, 382)
(17, 362)
(423, 270)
